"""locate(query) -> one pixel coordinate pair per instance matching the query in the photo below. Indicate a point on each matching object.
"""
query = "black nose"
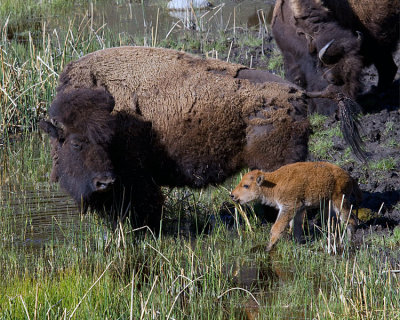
(233, 197)
(102, 183)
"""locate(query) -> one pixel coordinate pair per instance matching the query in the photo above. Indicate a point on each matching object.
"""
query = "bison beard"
(119, 133)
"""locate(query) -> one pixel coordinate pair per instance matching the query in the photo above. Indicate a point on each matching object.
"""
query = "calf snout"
(103, 182)
(233, 197)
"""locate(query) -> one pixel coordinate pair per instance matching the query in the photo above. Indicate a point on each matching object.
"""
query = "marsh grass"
(84, 269)
(386, 164)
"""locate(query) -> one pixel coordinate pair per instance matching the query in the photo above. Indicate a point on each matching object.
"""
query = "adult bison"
(128, 120)
(326, 43)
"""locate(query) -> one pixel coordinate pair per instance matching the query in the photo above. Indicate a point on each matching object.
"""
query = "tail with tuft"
(349, 125)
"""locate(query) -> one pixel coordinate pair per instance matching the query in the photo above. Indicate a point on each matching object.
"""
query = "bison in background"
(128, 120)
(326, 43)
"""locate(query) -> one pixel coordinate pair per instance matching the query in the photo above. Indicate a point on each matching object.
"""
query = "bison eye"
(246, 186)
(76, 146)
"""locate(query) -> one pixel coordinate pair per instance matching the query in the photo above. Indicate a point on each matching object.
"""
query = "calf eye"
(246, 186)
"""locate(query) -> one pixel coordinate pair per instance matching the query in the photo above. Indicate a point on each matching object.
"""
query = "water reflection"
(36, 214)
(141, 19)
(265, 280)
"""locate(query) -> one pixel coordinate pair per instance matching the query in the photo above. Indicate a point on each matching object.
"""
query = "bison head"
(81, 128)
(337, 48)
(340, 61)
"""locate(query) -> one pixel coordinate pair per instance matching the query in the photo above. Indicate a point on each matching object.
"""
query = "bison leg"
(297, 224)
(147, 200)
(386, 69)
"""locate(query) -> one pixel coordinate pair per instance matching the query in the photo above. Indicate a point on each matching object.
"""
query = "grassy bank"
(82, 269)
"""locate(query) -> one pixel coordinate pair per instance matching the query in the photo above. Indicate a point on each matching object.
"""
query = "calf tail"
(357, 193)
(358, 196)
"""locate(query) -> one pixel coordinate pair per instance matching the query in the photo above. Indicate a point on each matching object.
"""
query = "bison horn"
(322, 52)
(57, 124)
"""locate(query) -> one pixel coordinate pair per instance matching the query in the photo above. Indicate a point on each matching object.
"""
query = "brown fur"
(296, 187)
(177, 92)
(302, 27)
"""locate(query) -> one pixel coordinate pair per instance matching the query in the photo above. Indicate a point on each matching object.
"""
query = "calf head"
(81, 128)
(249, 188)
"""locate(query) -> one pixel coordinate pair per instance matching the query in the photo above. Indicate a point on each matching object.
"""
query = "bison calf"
(296, 187)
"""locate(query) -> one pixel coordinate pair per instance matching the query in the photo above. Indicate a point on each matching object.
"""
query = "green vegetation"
(391, 242)
(321, 144)
(275, 63)
(19, 11)
(384, 164)
(321, 141)
(81, 268)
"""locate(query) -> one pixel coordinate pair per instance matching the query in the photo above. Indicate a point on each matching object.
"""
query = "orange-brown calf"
(296, 187)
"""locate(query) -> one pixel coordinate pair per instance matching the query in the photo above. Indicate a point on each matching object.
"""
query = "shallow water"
(154, 18)
(36, 214)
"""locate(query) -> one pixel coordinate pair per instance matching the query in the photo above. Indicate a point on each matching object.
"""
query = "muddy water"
(33, 212)
(263, 280)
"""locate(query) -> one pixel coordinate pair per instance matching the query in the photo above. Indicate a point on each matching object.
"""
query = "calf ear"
(260, 180)
(49, 128)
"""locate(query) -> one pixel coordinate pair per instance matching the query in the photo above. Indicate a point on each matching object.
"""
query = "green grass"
(384, 164)
(392, 242)
(275, 63)
(86, 270)
(321, 142)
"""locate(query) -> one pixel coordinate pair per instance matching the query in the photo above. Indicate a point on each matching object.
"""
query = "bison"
(326, 43)
(126, 121)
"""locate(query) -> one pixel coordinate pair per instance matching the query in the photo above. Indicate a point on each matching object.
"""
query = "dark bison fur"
(329, 42)
(126, 121)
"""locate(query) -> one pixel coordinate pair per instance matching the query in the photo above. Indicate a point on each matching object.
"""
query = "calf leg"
(282, 222)
(298, 224)
(345, 215)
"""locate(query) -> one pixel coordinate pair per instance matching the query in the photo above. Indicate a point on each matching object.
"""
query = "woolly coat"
(207, 121)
